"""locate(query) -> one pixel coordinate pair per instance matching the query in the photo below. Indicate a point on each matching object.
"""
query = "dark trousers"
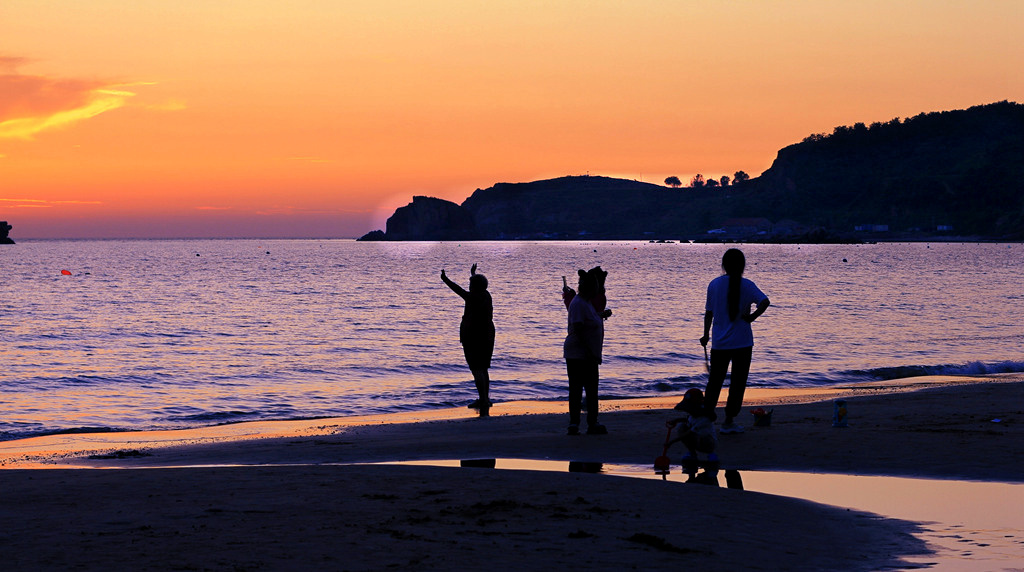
(583, 375)
(720, 359)
(695, 444)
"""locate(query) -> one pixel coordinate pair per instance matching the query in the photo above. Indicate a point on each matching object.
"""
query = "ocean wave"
(666, 358)
(217, 417)
(520, 362)
(135, 381)
(795, 379)
(23, 433)
(677, 384)
(637, 387)
(447, 393)
(77, 380)
(970, 368)
(415, 368)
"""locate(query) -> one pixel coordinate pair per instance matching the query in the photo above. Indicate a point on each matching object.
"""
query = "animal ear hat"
(588, 281)
(598, 275)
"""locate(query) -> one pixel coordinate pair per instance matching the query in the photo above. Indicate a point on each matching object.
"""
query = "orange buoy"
(66, 272)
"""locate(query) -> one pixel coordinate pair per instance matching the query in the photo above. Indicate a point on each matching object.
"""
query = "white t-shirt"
(701, 426)
(729, 334)
(587, 343)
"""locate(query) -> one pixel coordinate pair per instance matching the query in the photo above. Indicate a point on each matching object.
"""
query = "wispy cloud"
(33, 103)
(12, 62)
(278, 210)
(90, 104)
(310, 159)
(42, 203)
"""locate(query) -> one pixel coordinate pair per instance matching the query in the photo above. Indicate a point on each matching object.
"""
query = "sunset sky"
(317, 118)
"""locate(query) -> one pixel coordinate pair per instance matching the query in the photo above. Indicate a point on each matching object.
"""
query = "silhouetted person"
(582, 351)
(598, 300)
(476, 333)
(727, 319)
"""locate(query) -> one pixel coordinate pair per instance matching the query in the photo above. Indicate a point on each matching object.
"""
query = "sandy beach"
(299, 495)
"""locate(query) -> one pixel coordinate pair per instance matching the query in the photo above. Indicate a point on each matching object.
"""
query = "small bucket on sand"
(762, 418)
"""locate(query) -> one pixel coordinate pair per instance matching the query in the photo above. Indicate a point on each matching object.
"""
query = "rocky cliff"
(427, 218)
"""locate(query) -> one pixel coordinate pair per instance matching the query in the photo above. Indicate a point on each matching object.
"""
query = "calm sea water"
(165, 334)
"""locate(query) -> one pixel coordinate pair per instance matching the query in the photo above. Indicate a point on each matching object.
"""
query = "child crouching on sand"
(697, 430)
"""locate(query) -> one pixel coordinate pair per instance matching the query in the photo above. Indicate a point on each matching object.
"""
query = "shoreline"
(288, 495)
(533, 429)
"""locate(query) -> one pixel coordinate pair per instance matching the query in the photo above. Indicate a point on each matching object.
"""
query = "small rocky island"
(5, 229)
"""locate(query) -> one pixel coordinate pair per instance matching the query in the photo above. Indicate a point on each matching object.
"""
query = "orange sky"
(319, 117)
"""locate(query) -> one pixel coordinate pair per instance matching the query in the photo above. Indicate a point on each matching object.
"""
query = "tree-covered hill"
(961, 169)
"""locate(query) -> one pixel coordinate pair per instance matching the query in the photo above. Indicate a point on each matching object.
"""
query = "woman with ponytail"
(727, 319)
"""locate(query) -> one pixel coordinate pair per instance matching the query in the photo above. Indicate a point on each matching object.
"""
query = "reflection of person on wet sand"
(710, 477)
(476, 333)
(705, 477)
(727, 320)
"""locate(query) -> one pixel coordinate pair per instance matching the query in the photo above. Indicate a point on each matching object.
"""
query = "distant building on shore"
(740, 227)
(871, 228)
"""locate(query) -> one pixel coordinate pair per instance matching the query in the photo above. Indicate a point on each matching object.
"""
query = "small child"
(697, 430)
